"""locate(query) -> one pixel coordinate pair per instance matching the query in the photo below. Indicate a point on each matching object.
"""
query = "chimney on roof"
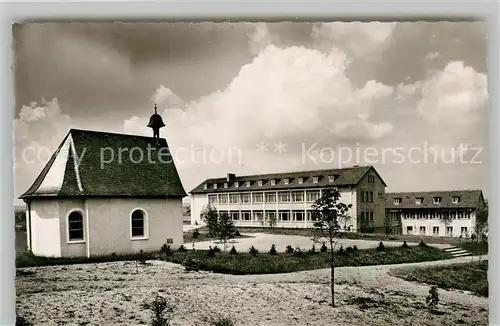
(230, 177)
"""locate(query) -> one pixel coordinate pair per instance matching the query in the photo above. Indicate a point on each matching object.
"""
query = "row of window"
(286, 181)
(435, 200)
(137, 225)
(435, 230)
(456, 215)
(283, 215)
(267, 197)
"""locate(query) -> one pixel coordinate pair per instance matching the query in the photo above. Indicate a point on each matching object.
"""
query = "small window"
(257, 198)
(298, 196)
(248, 183)
(138, 224)
(215, 186)
(312, 195)
(225, 184)
(260, 182)
(315, 179)
(205, 186)
(418, 200)
(235, 216)
(284, 197)
(245, 198)
(409, 230)
(331, 178)
(236, 184)
(234, 199)
(455, 199)
(371, 179)
(397, 201)
(222, 199)
(380, 195)
(449, 231)
(298, 216)
(422, 230)
(435, 230)
(284, 215)
(246, 216)
(170, 240)
(273, 182)
(286, 181)
(75, 226)
(270, 197)
(437, 200)
(301, 180)
(212, 199)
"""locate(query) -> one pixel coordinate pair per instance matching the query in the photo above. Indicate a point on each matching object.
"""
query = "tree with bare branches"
(327, 213)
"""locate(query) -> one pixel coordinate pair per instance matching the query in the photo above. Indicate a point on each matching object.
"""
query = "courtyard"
(115, 293)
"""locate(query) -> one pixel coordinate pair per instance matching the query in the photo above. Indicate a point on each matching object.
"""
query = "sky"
(410, 99)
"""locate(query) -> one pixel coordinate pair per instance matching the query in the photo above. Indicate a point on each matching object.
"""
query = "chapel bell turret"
(155, 123)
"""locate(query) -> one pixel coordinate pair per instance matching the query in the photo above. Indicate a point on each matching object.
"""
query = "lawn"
(265, 263)
(202, 236)
(261, 263)
(476, 248)
(471, 277)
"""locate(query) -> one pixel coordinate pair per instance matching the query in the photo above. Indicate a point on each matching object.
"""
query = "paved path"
(263, 242)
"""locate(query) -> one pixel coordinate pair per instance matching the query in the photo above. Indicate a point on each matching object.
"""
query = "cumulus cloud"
(356, 38)
(38, 130)
(285, 92)
(260, 38)
(165, 97)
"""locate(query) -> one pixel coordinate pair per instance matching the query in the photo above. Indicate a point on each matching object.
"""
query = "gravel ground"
(113, 294)
(263, 242)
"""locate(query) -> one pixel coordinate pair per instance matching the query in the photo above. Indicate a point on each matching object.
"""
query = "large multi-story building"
(285, 199)
(438, 213)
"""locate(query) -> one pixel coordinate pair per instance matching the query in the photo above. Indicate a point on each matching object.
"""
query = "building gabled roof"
(101, 164)
(345, 177)
(467, 199)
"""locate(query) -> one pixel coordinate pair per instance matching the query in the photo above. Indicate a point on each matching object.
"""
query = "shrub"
(221, 321)
(404, 245)
(273, 251)
(182, 249)
(161, 311)
(233, 251)
(433, 298)
(289, 249)
(210, 252)
(191, 264)
(323, 248)
(142, 257)
(165, 249)
(237, 233)
(21, 321)
(298, 252)
(355, 248)
(216, 249)
(253, 251)
(196, 234)
(348, 249)
(381, 246)
(422, 244)
(341, 251)
(313, 250)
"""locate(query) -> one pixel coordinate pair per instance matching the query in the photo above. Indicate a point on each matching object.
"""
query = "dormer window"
(397, 201)
(247, 183)
(301, 180)
(205, 186)
(437, 200)
(260, 182)
(215, 186)
(236, 184)
(315, 179)
(273, 182)
(331, 178)
(419, 200)
(286, 181)
(225, 184)
(455, 199)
